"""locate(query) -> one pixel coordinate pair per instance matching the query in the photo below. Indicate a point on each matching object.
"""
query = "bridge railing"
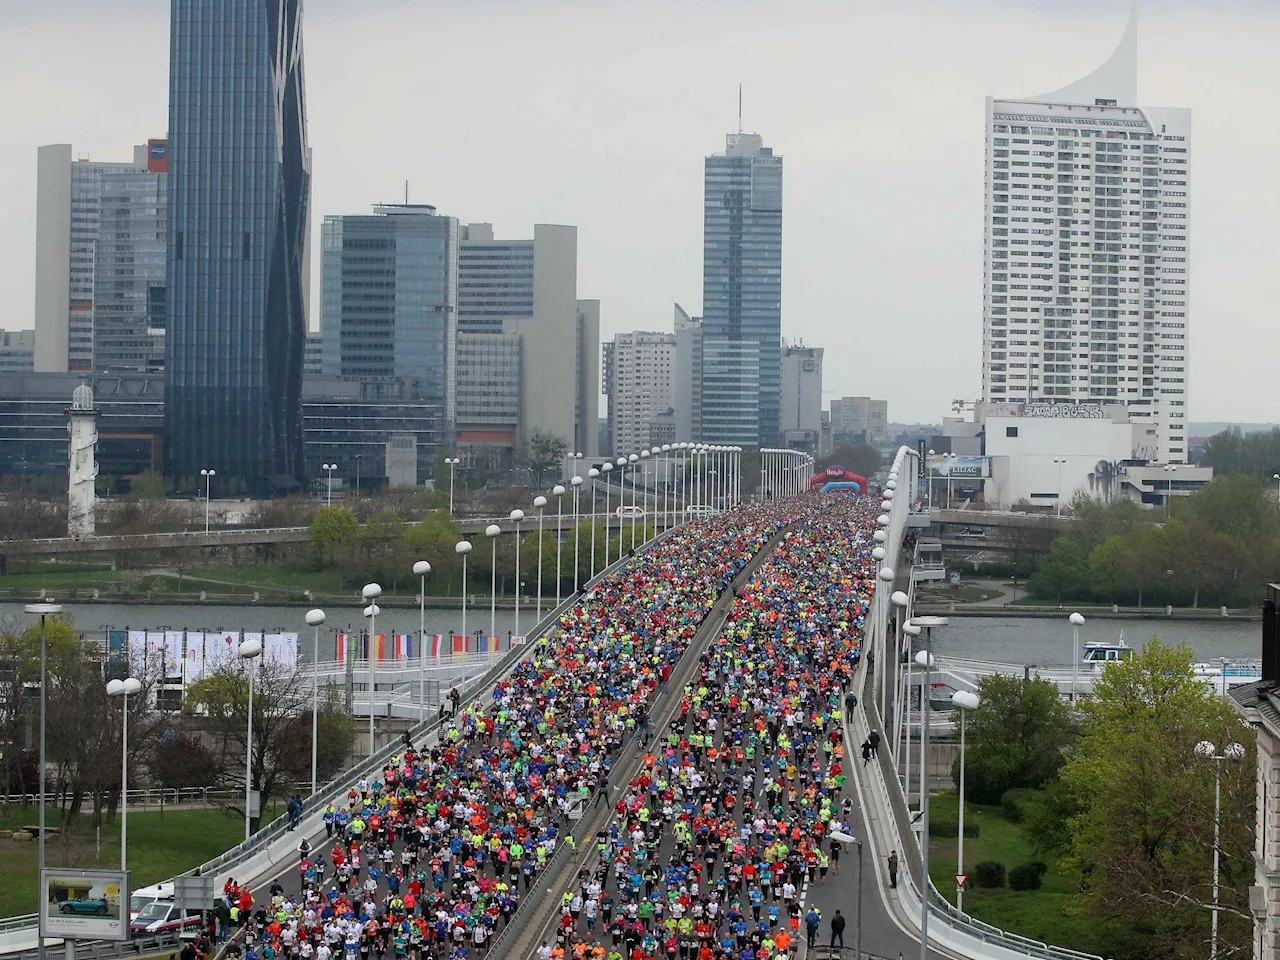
(959, 931)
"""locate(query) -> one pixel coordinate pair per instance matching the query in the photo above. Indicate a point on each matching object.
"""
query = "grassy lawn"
(963, 594)
(160, 846)
(1046, 914)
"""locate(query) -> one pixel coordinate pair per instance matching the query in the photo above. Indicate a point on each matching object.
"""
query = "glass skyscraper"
(389, 299)
(742, 294)
(238, 192)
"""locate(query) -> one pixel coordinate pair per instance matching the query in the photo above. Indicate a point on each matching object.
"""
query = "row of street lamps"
(784, 473)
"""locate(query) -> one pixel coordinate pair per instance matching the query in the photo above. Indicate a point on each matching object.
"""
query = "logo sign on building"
(157, 156)
(966, 467)
(1063, 411)
(84, 904)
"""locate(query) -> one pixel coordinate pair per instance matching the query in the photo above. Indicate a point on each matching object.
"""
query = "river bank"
(1191, 615)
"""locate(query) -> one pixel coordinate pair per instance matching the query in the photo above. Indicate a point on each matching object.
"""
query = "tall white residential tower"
(1086, 252)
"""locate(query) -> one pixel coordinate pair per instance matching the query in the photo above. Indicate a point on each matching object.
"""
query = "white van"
(144, 896)
(630, 511)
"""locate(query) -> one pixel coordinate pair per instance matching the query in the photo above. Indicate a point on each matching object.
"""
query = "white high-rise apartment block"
(640, 381)
(1086, 252)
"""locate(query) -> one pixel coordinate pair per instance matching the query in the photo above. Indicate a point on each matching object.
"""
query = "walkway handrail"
(898, 822)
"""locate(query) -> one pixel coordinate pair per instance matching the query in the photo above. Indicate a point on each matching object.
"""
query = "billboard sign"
(158, 156)
(960, 467)
(84, 904)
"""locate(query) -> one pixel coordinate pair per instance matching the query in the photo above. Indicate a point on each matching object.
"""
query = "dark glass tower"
(238, 193)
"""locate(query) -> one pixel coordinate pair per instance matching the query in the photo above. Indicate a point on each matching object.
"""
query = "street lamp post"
(249, 651)
(208, 477)
(492, 531)
(122, 688)
(925, 659)
(1168, 489)
(633, 460)
(452, 462)
(422, 568)
(965, 702)
(606, 468)
(43, 610)
(644, 500)
(516, 517)
(328, 468)
(593, 473)
(314, 619)
(1233, 753)
(1057, 500)
(558, 492)
(371, 592)
(576, 482)
(359, 456)
(899, 599)
(462, 548)
(539, 502)
(1077, 621)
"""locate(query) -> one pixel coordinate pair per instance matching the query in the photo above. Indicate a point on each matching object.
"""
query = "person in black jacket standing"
(837, 929)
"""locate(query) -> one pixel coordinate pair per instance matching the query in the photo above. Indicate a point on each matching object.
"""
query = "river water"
(1045, 642)
(1010, 639)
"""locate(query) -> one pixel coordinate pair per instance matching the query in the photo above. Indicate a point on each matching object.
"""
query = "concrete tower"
(83, 467)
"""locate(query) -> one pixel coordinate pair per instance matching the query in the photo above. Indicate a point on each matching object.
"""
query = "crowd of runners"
(731, 817)
(431, 859)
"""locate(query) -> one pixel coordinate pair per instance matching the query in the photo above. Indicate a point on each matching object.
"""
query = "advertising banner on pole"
(967, 467)
(84, 904)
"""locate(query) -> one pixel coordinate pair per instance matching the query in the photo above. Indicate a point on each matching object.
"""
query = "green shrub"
(988, 873)
(1026, 877)
(1018, 804)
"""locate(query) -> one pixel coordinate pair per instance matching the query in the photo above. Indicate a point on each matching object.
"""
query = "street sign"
(960, 880)
(576, 807)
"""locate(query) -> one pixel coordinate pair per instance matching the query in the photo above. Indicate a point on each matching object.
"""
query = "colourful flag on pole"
(495, 644)
(342, 647)
(483, 640)
(382, 649)
(459, 645)
(404, 646)
(435, 646)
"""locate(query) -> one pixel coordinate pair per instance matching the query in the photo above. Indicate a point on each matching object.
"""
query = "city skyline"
(640, 247)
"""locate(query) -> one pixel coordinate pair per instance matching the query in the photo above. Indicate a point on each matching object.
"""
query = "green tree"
(384, 555)
(1064, 573)
(543, 455)
(149, 485)
(1237, 505)
(331, 530)
(1097, 519)
(1110, 566)
(281, 747)
(1143, 837)
(433, 540)
(1016, 737)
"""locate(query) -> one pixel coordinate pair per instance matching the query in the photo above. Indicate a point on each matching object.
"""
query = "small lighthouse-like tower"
(83, 467)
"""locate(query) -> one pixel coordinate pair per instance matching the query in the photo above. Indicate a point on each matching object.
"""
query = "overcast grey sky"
(599, 113)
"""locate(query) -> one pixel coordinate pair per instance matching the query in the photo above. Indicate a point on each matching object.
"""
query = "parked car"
(630, 512)
(96, 906)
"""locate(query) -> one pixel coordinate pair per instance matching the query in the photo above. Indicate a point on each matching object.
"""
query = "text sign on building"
(84, 904)
(1063, 411)
(950, 466)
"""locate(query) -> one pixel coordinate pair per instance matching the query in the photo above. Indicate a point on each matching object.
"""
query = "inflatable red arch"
(837, 474)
